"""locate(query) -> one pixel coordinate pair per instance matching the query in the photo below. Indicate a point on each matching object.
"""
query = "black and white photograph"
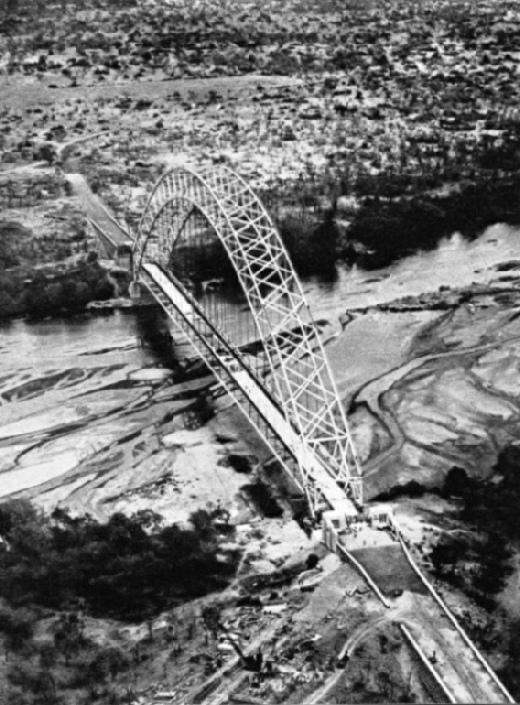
(259, 352)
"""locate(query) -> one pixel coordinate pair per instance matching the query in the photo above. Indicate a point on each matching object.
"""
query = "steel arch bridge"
(267, 354)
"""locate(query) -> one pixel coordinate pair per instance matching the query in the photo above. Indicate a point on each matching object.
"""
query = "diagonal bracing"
(299, 378)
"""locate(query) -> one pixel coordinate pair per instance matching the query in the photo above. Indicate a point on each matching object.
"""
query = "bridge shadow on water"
(154, 334)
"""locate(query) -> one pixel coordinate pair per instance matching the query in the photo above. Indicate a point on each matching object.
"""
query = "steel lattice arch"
(190, 211)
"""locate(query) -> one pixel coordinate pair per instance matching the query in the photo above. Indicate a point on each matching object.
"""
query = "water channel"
(89, 395)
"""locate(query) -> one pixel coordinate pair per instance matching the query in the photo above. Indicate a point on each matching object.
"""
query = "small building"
(380, 516)
(124, 256)
(337, 521)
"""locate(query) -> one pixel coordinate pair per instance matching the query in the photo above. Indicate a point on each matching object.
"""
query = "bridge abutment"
(135, 290)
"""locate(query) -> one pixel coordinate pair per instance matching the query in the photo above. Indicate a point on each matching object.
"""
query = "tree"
(495, 568)
(10, 10)
(47, 655)
(68, 635)
(47, 152)
(312, 561)
(23, 526)
(82, 293)
(446, 553)
(54, 295)
(17, 627)
(211, 617)
(7, 305)
(203, 525)
(456, 482)
(510, 675)
(45, 685)
(108, 662)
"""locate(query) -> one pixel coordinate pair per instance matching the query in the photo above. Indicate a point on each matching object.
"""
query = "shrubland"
(59, 572)
(126, 568)
(53, 290)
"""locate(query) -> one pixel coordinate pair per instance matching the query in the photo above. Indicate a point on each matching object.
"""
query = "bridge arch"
(215, 203)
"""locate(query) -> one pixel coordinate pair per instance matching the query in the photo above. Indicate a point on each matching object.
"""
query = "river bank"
(386, 342)
(97, 418)
(385, 230)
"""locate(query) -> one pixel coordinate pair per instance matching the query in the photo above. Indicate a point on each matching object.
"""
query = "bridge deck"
(260, 398)
(468, 679)
(454, 662)
(98, 213)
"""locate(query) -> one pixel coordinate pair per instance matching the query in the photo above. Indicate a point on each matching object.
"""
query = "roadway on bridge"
(455, 663)
(97, 212)
(465, 676)
(260, 398)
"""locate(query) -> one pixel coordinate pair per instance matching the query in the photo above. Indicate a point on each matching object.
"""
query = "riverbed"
(93, 411)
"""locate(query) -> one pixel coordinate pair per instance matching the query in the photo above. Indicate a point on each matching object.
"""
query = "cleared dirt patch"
(55, 90)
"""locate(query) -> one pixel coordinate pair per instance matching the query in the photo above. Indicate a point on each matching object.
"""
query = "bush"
(489, 558)
(390, 231)
(108, 663)
(39, 294)
(17, 627)
(127, 568)
(456, 483)
(311, 242)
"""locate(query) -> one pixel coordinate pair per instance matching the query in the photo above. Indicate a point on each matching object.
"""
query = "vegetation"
(312, 242)
(394, 230)
(494, 505)
(477, 559)
(510, 673)
(384, 230)
(127, 568)
(41, 292)
(58, 571)
(65, 666)
(479, 563)
(482, 561)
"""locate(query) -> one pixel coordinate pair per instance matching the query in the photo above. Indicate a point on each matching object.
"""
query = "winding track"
(371, 395)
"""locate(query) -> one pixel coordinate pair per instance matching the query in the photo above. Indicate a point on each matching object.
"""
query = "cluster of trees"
(127, 568)
(62, 666)
(400, 213)
(312, 242)
(385, 230)
(493, 510)
(393, 230)
(16, 242)
(480, 563)
(510, 673)
(57, 570)
(40, 293)
(493, 505)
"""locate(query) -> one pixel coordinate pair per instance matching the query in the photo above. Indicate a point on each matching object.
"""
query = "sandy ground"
(28, 92)
(89, 422)
(449, 396)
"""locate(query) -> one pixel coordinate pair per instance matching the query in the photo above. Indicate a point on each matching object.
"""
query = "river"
(85, 397)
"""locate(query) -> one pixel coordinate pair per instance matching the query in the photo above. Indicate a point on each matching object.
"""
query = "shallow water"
(54, 380)
(456, 262)
(72, 390)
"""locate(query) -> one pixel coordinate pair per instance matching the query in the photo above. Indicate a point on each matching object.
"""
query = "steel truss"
(299, 379)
